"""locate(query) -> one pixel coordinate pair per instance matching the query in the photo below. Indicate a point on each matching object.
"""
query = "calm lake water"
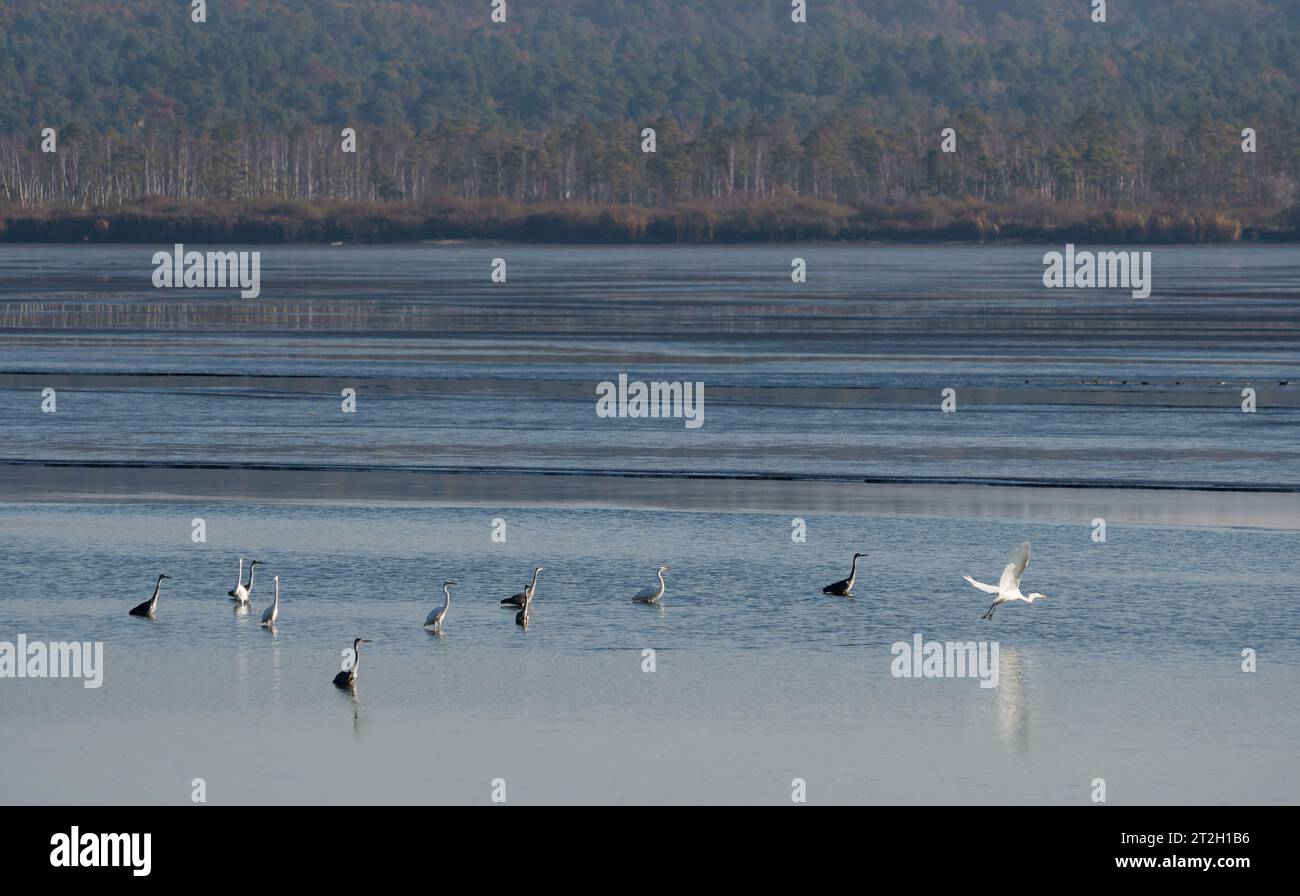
(475, 403)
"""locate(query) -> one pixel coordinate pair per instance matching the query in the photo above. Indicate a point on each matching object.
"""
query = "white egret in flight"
(272, 612)
(526, 595)
(844, 587)
(651, 594)
(1008, 587)
(348, 678)
(437, 617)
(150, 607)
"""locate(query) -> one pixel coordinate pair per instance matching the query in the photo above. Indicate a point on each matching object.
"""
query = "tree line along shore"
(650, 121)
(776, 220)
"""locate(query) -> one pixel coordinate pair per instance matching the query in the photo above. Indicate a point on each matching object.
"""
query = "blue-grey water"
(475, 407)
(840, 377)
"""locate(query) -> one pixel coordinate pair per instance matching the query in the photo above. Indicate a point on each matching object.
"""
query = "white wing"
(982, 587)
(1015, 569)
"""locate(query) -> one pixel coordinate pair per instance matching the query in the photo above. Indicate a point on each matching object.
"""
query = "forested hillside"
(847, 109)
(143, 65)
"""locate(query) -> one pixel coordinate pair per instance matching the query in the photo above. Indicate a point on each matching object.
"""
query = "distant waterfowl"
(844, 587)
(1008, 588)
(242, 593)
(272, 612)
(150, 607)
(652, 594)
(348, 677)
(437, 617)
(526, 595)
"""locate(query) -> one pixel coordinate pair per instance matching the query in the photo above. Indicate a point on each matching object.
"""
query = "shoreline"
(725, 222)
(38, 482)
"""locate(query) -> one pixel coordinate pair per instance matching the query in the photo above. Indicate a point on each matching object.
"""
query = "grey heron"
(526, 595)
(150, 607)
(239, 581)
(522, 617)
(844, 587)
(348, 677)
(242, 593)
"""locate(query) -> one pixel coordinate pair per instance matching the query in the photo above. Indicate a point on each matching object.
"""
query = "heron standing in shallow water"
(652, 594)
(436, 618)
(522, 617)
(1008, 587)
(526, 595)
(272, 612)
(150, 607)
(844, 587)
(241, 593)
(348, 677)
(239, 581)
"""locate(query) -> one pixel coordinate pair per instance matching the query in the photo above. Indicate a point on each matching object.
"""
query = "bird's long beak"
(366, 641)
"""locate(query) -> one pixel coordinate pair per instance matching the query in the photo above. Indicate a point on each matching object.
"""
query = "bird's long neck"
(446, 589)
(277, 594)
(662, 586)
(239, 578)
(533, 584)
(356, 659)
(252, 571)
(156, 588)
(853, 570)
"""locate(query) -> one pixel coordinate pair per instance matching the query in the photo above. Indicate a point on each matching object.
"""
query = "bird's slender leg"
(989, 614)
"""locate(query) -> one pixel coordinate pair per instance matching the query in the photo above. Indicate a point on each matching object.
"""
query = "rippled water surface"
(475, 404)
(839, 377)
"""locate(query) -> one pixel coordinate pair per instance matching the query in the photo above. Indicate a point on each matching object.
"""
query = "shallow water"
(840, 377)
(476, 403)
(1130, 671)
